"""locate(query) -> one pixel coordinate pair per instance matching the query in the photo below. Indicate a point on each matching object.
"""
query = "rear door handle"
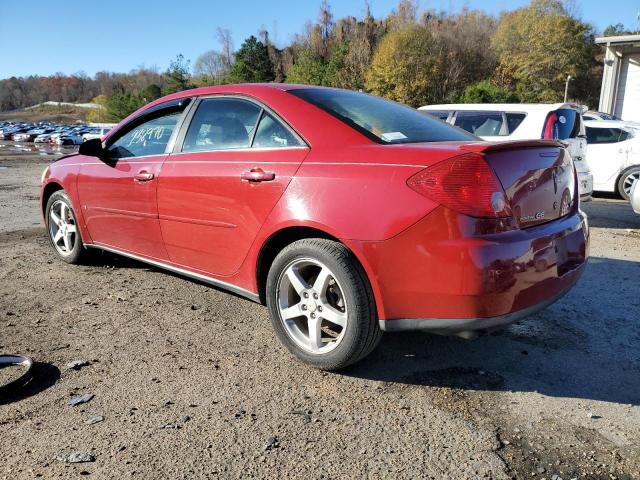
(258, 175)
(143, 176)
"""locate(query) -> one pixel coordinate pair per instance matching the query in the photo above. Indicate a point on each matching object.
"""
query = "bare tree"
(226, 43)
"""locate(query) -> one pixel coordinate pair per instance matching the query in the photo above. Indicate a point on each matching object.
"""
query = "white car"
(521, 121)
(68, 139)
(613, 150)
(97, 132)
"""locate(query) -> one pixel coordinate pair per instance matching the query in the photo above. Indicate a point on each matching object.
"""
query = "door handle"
(257, 175)
(143, 176)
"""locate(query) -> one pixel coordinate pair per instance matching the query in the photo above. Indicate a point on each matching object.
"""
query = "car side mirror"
(93, 148)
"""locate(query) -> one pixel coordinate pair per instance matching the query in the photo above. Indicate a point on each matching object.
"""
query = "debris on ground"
(77, 364)
(272, 442)
(79, 399)
(77, 457)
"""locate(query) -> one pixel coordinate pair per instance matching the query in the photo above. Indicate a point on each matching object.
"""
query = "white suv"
(521, 121)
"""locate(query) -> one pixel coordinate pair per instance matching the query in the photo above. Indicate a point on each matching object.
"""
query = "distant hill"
(60, 112)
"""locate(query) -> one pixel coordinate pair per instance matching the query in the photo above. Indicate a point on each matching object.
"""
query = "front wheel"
(321, 305)
(626, 181)
(62, 228)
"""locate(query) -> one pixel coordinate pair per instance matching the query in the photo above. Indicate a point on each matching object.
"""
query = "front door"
(216, 191)
(119, 195)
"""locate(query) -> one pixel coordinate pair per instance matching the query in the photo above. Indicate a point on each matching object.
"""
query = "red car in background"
(346, 214)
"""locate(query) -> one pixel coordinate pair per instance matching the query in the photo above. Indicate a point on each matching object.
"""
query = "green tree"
(122, 103)
(150, 93)
(308, 69)
(486, 92)
(404, 67)
(538, 46)
(177, 76)
(99, 114)
(618, 29)
(252, 63)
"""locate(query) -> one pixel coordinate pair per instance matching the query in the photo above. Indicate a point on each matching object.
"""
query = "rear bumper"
(441, 275)
(585, 185)
(456, 326)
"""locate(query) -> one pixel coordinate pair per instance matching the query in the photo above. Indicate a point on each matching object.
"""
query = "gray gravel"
(558, 393)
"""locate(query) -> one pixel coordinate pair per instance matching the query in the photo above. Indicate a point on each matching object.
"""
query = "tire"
(71, 249)
(625, 182)
(337, 289)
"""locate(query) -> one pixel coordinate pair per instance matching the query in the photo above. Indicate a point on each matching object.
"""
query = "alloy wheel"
(628, 182)
(62, 228)
(312, 306)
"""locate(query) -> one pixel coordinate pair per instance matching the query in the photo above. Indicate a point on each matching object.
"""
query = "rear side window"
(490, 124)
(514, 120)
(272, 134)
(380, 120)
(221, 124)
(606, 135)
(562, 124)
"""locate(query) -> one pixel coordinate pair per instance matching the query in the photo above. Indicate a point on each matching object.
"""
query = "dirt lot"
(189, 382)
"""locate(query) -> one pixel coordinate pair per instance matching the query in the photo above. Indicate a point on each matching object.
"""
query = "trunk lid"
(538, 179)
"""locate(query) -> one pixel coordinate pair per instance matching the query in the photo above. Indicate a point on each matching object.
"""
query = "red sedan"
(346, 214)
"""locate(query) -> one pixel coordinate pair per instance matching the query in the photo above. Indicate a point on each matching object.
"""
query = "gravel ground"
(189, 382)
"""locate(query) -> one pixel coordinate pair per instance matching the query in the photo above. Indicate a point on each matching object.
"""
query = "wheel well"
(622, 174)
(274, 245)
(48, 191)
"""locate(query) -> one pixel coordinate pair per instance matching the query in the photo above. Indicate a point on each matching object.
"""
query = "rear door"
(233, 160)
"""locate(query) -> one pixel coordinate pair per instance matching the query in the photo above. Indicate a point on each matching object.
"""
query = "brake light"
(465, 184)
(549, 127)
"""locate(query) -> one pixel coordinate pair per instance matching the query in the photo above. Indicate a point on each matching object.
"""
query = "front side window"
(486, 124)
(148, 138)
(605, 135)
(222, 124)
(380, 120)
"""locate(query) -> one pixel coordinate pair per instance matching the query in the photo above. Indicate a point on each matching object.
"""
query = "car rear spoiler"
(482, 147)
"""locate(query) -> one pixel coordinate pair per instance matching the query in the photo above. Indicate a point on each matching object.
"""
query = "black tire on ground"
(362, 333)
(623, 177)
(79, 253)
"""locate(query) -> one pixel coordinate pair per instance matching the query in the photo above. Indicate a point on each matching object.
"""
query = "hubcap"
(312, 306)
(629, 180)
(62, 227)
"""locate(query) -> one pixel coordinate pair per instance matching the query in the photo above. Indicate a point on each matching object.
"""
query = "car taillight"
(465, 184)
(549, 127)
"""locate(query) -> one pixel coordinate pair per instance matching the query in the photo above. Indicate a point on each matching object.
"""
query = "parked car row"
(55, 134)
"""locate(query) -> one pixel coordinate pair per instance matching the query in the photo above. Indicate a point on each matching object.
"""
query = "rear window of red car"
(380, 120)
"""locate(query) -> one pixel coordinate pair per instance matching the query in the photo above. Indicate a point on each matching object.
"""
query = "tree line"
(411, 56)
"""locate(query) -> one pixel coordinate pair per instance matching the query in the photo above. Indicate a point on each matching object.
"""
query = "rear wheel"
(62, 228)
(321, 304)
(626, 181)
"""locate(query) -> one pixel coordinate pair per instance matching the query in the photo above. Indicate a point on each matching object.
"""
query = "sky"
(73, 36)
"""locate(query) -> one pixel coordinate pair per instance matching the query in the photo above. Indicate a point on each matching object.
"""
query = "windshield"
(381, 120)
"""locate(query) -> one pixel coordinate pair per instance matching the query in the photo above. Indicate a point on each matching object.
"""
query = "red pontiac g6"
(346, 214)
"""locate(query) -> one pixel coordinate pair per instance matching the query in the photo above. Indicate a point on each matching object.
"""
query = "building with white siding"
(620, 94)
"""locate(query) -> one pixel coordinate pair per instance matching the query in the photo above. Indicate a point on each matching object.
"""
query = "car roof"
(510, 107)
(611, 124)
